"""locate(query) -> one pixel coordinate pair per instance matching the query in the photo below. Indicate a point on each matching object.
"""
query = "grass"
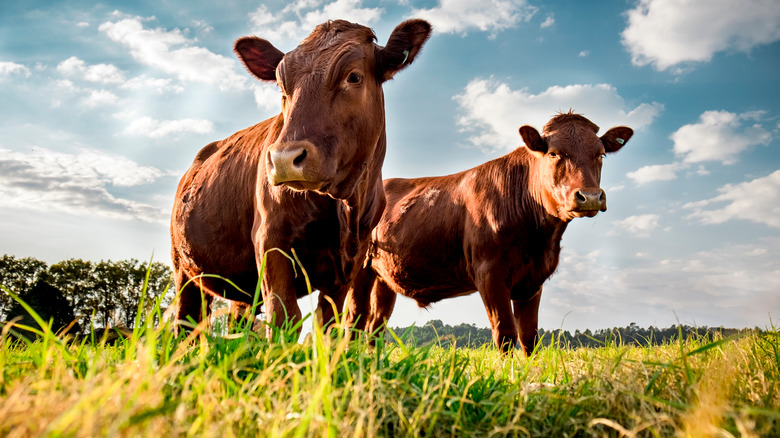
(240, 384)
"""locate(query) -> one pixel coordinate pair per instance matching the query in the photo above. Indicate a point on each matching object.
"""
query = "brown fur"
(231, 209)
(495, 228)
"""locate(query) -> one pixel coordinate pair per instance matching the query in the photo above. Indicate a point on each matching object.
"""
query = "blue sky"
(104, 105)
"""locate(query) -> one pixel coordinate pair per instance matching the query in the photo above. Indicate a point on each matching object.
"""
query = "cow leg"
(382, 304)
(359, 299)
(328, 305)
(192, 303)
(239, 313)
(498, 305)
(279, 295)
(527, 320)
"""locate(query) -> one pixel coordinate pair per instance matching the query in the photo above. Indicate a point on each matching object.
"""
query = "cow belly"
(215, 241)
(421, 281)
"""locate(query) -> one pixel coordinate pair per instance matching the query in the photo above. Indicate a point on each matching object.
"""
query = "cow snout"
(590, 200)
(291, 163)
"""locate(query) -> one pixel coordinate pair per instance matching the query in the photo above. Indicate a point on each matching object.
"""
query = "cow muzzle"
(295, 164)
(588, 202)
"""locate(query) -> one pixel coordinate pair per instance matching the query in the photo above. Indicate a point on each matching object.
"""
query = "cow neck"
(529, 207)
(362, 210)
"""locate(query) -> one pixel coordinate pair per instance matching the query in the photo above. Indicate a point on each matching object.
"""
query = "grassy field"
(151, 384)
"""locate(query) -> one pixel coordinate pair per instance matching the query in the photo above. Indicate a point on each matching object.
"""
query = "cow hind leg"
(329, 305)
(527, 320)
(193, 304)
(241, 315)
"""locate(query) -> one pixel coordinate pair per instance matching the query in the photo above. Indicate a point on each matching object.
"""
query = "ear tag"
(406, 56)
(620, 140)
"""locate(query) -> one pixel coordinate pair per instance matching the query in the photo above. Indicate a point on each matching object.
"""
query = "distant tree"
(469, 336)
(49, 303)
(75, 278)
(129, 277)
(18, 275)
(110, 291)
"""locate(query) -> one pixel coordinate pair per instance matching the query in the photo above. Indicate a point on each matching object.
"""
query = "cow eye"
(553, 155)
(353, 78)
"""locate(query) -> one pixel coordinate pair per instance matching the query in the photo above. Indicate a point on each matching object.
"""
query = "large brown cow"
(495, 228)
(308, 179)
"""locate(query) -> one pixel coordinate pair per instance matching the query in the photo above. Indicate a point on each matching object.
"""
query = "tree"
(110, 291)
(75, 278)
(129, 277)
(49, 303)
(19, 276)
(101, 294)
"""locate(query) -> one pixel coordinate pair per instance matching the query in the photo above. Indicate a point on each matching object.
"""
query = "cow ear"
(615, 138)
(259, 56)
(402, 47)
(532, 139)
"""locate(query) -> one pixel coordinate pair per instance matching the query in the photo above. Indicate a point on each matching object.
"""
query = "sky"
(103, 106)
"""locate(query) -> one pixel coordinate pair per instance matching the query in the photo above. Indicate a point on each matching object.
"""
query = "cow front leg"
(382, 304)
(527, 321)
(359, 299)
(279, 295)
(498, 305)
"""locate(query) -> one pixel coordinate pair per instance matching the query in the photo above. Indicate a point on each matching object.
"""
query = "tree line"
(93, 294)
(107, 293)
(470, 336)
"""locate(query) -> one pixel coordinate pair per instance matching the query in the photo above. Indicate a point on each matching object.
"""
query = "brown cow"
(308, 179)
(495, 228)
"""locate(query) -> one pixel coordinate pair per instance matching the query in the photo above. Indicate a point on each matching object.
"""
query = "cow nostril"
(270, 161)
(299, 159)
(580, 197)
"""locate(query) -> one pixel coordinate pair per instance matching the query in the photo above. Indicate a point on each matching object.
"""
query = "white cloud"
(267, 96)
(549, 21)
(756, 201)
(460, 16)
(153, 128)
(75, 183)
(102, 73)
(8, 68)
(172, 53)
(719, 136)
(98, 98)
(666, 33)
(584, 53)
(203, 26)
(639, 225)
(159, 85)
(299, 18)
(657, 172)
(495, 112)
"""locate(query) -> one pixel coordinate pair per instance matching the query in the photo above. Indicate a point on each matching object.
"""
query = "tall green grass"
(149, 383)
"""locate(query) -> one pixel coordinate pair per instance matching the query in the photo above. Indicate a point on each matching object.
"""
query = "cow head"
(567, 164)
(332, 102)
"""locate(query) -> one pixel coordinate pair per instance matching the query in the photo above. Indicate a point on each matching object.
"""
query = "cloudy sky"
(104, 105)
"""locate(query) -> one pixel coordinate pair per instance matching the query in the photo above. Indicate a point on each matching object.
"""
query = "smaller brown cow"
(495, 229)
